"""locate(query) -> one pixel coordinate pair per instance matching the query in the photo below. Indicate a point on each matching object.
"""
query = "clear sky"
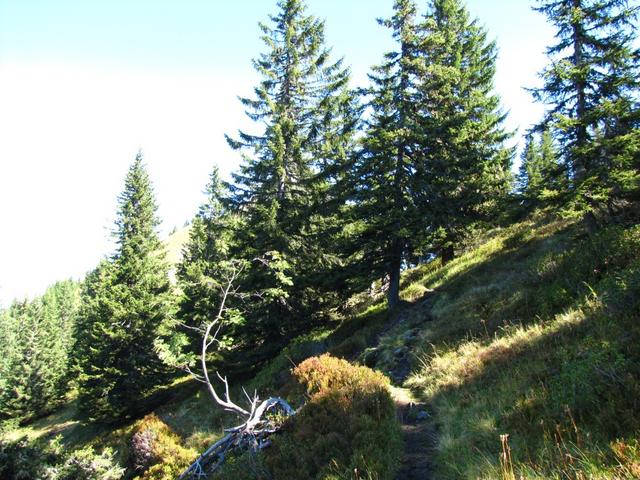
(85, 84)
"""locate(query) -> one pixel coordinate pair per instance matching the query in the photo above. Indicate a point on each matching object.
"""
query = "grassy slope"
(174, 244)
(533, 333)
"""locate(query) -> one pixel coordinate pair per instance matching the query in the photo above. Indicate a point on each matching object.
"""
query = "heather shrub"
(156, 452)
(346, 429)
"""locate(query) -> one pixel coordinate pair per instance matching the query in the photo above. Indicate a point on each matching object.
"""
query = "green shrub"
(21, 460)
(156, 452)
(27, 460)
(86, 464)
(245, 466)
(347, 428)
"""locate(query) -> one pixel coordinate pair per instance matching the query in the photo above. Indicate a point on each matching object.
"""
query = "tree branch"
(257, 425)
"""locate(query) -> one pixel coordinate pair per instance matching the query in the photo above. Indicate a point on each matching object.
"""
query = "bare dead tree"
(253, 433)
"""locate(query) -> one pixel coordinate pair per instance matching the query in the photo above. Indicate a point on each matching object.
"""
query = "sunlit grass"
(534, 334)
(174, 244)
(64, 420)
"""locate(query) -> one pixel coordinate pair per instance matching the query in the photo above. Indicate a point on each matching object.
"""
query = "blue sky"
(84, 84)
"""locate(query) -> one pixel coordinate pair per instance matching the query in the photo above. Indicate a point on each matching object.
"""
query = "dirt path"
(416, 422)
(418, 435)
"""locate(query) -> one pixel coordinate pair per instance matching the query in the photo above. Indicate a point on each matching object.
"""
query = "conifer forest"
(386, 287)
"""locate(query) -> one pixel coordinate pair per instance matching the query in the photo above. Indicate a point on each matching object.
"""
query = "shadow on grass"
(484, 290)
(75, 430)
(570, 382)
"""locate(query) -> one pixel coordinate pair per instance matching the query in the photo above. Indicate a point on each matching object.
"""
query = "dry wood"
(258, 425)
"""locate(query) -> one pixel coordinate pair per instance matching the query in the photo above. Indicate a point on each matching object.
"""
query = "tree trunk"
(398, 244)
(590, 223)
(447, 254)
(580, 166)
(393, 294)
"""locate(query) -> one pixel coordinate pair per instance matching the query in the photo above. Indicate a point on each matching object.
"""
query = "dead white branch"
(257, 424)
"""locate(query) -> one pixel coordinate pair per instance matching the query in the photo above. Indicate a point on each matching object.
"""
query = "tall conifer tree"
(433, 162)
(7, 348)
(541, 175)
(307, 112)
(591, 87)
(529, 176)
(20, 395)
(37, 337)
(129, 303)
(384, 170)
(465, 166)
(208, 247)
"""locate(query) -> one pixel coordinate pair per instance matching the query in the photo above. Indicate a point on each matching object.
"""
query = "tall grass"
(535, 335)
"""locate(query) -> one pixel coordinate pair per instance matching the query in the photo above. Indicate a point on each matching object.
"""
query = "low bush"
(26, 460)
(346, 429)
(156, 452)
(86, 464)
(22, 460)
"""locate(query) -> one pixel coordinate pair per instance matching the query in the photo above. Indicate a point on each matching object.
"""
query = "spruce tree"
(128, 305)
(38, 337)
(210, 237)
(542, 177)
(464, 171)
(552, 170)
(7, 347)
(529, 176)
(591, 88)
(93, 290)
(61, 304)
(306, 109)
(21, 363)
(386, 164)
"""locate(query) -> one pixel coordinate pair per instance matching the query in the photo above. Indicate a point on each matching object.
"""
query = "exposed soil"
(416, 421)
(419, 436)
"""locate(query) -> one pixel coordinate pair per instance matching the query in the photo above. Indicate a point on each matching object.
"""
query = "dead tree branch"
(257, 426)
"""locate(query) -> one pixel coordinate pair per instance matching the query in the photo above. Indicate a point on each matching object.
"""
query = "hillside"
(174, 244)
(527, 352)
(522, 355)
(374, 286)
